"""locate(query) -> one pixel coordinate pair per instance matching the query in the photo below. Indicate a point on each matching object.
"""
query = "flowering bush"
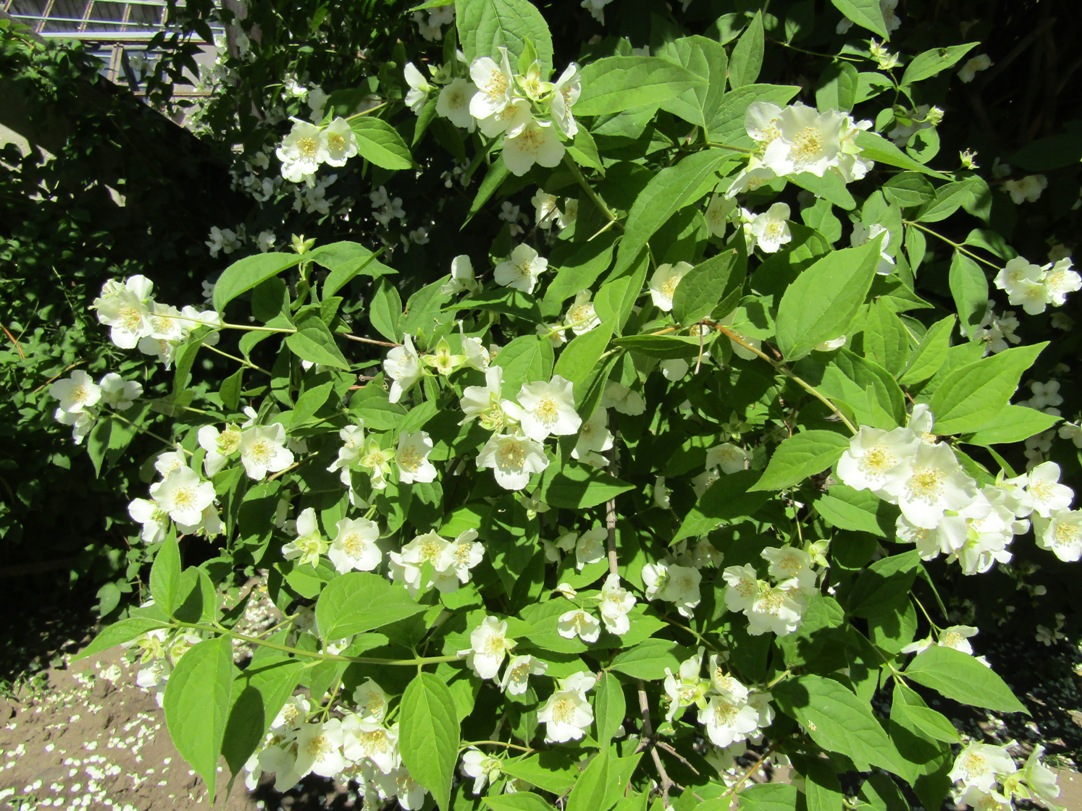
(672, 473)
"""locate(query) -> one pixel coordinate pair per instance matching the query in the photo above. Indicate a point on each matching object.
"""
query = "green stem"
(239, 360)
(249, 328)
(369, 111)
(593, 195)
(956, 245)
(504, 744)
(159, 437)
(781, 367)
(731, 147)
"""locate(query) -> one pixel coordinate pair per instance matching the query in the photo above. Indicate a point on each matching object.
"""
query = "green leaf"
(727, 126)
(519, 801)
(385, 312)
(886, 340)
(970, 397)
(582, 354)
(357, 602)
(314, 342)
(865, 13)
(948, 199)
(579, 487)
(380, 144)
(165, 575)
(706, 285)
(727, 499)
(969, 289)
(250, 272)
(930, 63)
(768, 797)
(495, 176)
(747, 57)
(837, 89)
(617, 83)
(259, 693)
(1046, 154)
(197, 701)
(830, 187)
(960, 677)
(707, 59)
(667, 192)
(1012, 424)
(484, 26)
(525, 359)
(908, 709)
(930, 355)
(647, 660)
(877, 148)
(800, 457)
(884, 584)
(823, 301)
(908, 190)
(668, 347)
(838, 721)
(867, 388)
(610, 707)
(346, 261)
(118, 633)
(429, 735)
(603, 782)
(856, 510)
(547, 771)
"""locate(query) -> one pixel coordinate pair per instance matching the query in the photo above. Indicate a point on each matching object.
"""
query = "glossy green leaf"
(485, 26)
(356, 602)
(960, 677)
(706, 285)
(647, 660)
(800, 457)
(385, 312)
(165, 575)
(118, 633)
(429, 735)
(747, 58)
(197, 701)
(856, 510)
(610, 707)
(969, 289)
(380, 144)
(865, 13)
(930, 63)
(707, 59)
(1012, 424)
(250, 272)
(314, 342)
(617, 83)
(930, 354)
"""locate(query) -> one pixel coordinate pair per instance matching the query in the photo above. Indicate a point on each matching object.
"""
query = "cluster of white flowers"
(997, 332)
(614, 603)
(547, 210)
(262, 449)
(988, 779)
(800, 139)
(944, 511)
(79, 397)
(1026, 189)
(1034, 287)
(181, 496)
(776, 605)
(430, 25)
(532, 114)
(159, 651)
(358, 746)
(489, 646)
(730, 712)
(451, 561)
(135, 319)
(308, 146)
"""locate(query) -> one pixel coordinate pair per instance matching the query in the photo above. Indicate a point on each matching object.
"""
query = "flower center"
(261, 451)
(511, 455)
(308, 146)
(563, 710)
(1066, 534)
(807, 144)
(877, 461)
(925, 484)
(408, 459)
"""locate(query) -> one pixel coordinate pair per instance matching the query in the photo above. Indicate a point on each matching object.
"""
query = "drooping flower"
(403, 366)
(309, 544)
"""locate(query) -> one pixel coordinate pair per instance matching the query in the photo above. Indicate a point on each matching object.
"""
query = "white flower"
(319, 749)
(219, 445)
(481, 767)
(806, 141)
(548, 409)
(403, 366)
(565, 92)
(457, 559)
(686, 688)
(545, 210)
(594, 439)
(580, 623)
(154, 519)
(489, 646)
(309, 544)
(742, 587)
(1061, 534)
(462, 277)
(1027, 189)
(863, 233)
(76, 393)
(367, 741)
(623, 399)
(301, 151)
(522, 270)
(873, 454)
(453, 103)
(788, 563)
(568, 713)
(1060, 280)
(340, 143)
(717, 214)
(518, 671)
(728, 720)
(1043, 494)
(536, 142)
(615, 604)
(486, 403)
(406, 565)
(512, 458)
(664, 282)
(770, 230)
(682, 589)
(729, 457)
(412, 458)
(354, 546)
(263, 450)
(494, 82)
(419, 88)
(1040, 780)
(590, 547)
(979, 766)
(932, 484)
(973, 66)
(183, 496)
(126, 309)
(581, 316)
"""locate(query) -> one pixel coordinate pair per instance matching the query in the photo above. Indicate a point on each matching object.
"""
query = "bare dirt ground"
(83, 736)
